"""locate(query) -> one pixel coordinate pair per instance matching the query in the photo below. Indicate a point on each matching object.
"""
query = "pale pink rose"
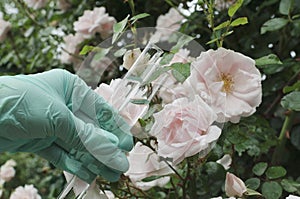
(5, 26)
(116, 94)
(26, 192)
(95, 21)
(292, 197)
(184, 128)
(131, 56)
(167, 24)
(225, 161)
(228, 81)
(71, 49)
(7, 171)
(143, 163)
(234, 186)
(36, 4)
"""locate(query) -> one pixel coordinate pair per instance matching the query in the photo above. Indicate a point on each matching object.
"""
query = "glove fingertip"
(126, 144)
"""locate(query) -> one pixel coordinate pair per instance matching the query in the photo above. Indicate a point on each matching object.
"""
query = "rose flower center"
(228, 82)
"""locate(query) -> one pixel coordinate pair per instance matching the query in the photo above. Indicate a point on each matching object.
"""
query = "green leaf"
(296, 16)
(239, 21)
(290, 185)
(233, 8)
(260, 168)
(288, 89)
(291, 101)
(139, 16)
(152, 109)
(101, 52)
(183, 40)
(227, 33)
(166, 59)
(271, 190)
(135, 78)
(223, 35)
(119, 28)
(213, 40)
(267, 60)
(275, 172)
(142, 122)
(139, 101)
(151, 178)
(285, 7)
(251, 192)
(273, 24)
(180, 71)
(156, 74)
(253, 183)
(120, 52)
(86, 49)
(222, 25)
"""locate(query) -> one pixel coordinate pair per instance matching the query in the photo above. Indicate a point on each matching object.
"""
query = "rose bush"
(230, 110)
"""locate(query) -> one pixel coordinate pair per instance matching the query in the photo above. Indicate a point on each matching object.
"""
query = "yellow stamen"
(228, 82)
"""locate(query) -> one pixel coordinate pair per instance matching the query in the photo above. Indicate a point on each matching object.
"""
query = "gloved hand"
(57, 116)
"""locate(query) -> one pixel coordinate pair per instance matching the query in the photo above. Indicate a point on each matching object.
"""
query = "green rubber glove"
(57, 116)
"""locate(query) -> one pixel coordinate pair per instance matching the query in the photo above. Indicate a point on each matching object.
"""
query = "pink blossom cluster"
(223, 86)
(226, 80)
(167, 24)
(91, 22)
(7, 172)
